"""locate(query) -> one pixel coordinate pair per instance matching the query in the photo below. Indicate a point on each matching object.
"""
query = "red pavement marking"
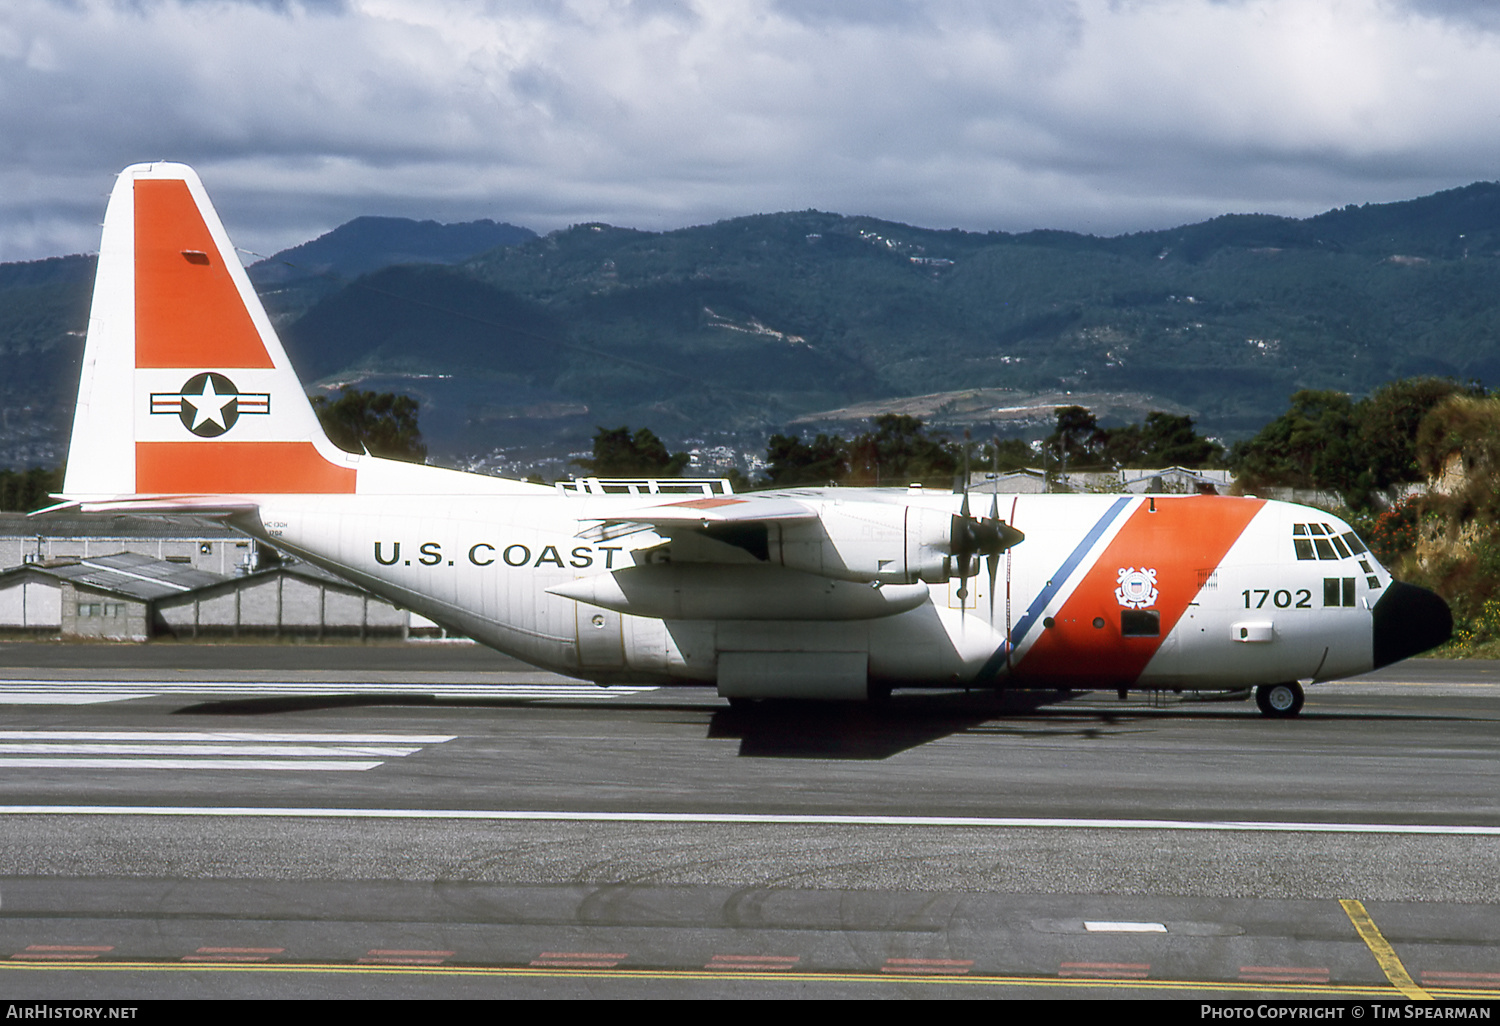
(752, 962)
(928, 966)
(579, 959)
(62, 952)
(387, 956)
(1106, 970)
(1283, 974)
(1442, 978)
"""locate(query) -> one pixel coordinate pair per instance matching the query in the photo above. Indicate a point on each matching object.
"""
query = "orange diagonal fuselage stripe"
(236, 468)
(188, 313)
(1184, 540)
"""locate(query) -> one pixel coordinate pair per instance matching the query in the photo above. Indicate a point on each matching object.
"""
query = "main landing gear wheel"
(1279, 700)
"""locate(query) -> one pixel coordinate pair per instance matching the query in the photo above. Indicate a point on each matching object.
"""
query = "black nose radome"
(1409, 620)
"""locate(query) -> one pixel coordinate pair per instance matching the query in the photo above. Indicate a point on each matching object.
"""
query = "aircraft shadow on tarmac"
(845, 730)
(770, 729)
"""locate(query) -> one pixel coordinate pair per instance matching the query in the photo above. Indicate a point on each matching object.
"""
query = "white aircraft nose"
(1409, 620)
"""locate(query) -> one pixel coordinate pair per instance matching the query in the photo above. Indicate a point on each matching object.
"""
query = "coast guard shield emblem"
(1137, 588)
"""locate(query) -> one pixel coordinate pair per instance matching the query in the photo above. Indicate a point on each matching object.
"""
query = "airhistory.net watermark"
(44, 1010)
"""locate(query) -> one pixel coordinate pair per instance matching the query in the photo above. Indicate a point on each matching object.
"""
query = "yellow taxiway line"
(1165, 987)
(1385, 955)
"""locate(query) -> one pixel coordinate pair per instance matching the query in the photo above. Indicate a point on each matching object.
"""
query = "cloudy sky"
(1103, 116)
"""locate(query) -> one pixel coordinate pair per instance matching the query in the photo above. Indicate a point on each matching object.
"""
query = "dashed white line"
(192, 748)
(68, 697)
(315, 765)
(206, 750)
(219, 736)
(87, 692)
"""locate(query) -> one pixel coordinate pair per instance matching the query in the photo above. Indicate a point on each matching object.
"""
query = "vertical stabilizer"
(185, 387)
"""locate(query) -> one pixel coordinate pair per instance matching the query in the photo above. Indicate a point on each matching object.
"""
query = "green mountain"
(44, 312)
(752, 324)
(367, 244)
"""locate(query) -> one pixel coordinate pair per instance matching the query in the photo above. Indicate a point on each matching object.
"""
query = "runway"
(437, 821)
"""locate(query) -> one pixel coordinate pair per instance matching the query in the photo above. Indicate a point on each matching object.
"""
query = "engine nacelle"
(868, 541)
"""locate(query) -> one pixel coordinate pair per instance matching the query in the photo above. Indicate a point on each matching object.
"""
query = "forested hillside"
(747, 324)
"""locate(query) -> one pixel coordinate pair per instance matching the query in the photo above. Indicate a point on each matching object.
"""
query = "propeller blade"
(963, 538)
(992, 562)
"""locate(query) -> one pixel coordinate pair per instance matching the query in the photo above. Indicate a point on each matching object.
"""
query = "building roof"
(109, 525)
(129, 574)
(306, 571)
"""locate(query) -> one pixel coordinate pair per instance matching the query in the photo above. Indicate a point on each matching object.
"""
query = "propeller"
(992, 560)
(971, 537)
(960, 542)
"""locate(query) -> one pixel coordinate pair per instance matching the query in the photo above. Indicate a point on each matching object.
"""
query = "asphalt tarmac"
(437, 821)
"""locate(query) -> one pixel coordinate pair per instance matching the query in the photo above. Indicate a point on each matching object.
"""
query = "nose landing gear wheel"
(1279, 700)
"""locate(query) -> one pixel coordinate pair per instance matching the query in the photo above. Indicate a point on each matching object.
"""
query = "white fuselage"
(1219, 580)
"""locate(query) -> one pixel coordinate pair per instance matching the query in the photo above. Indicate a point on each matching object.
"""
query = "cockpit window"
(1321, 541)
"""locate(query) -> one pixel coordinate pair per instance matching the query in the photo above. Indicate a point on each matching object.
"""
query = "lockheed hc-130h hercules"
(188, 403)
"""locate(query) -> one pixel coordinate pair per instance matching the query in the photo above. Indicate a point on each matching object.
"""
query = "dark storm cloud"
(1094, 115)
(1478, 13)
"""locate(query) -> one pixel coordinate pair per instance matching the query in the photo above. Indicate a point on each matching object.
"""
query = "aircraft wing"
(706, 511)
(718, 509)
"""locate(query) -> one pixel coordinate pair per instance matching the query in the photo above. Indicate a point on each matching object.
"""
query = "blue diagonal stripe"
(993, 665)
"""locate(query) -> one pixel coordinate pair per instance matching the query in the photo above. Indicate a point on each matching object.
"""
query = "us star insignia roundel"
(209, 404)
(1137, 588)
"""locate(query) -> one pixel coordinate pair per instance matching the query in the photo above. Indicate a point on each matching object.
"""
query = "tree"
(899, 452)
(1390, 419)
(22, 491)
(1170, 441)
(381, 423)
(618, 453)
(1005, 454)
(791, 461)
(1359, 449)
(1077, 439)
(1312, 445)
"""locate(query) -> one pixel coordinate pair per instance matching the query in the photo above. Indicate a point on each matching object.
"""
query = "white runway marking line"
(69, 698)
(188, 750)
(310, 765)
(218, 735)
(95, 692)
(1093, 926)
(752, 819)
